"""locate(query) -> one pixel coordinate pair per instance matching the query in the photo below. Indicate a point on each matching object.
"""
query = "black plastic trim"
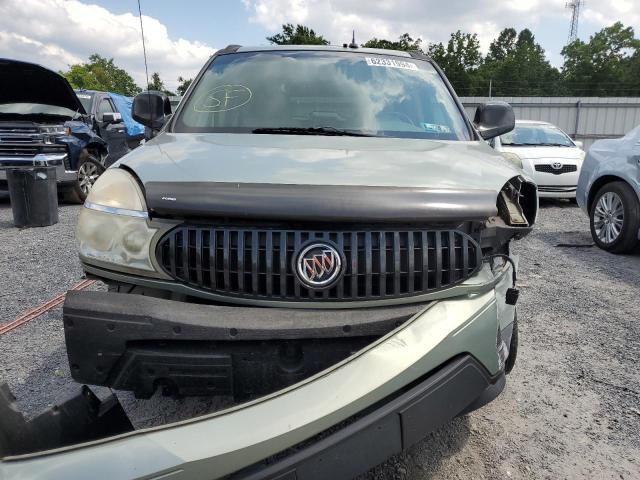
(317, 203)
(81, 418)
(387, 429)
(127, 341)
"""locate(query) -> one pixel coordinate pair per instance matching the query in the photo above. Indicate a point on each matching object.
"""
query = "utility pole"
(574, 6)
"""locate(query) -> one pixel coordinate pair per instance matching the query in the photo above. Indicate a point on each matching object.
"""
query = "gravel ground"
(571, 408)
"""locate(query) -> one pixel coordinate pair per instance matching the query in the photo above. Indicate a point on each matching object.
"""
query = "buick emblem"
(556, 165)
(318, 265)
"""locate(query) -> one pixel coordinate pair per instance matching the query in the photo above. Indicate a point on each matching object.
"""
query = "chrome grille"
(556, 171)
(257, 263)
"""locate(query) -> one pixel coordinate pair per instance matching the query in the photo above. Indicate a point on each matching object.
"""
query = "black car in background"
(42, 122)
(123, 135)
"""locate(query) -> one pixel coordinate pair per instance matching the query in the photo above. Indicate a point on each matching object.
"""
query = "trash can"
(34, 196)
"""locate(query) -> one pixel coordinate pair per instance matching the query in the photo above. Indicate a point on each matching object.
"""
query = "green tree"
(516, 65)
(298, 35)
(503, 46)
(607, 65)
(460, 59)
(101, 74)
(156, 83)
(405, 42)
(184, 85)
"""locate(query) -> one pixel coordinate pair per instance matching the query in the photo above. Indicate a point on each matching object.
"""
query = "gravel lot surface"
(571, 408)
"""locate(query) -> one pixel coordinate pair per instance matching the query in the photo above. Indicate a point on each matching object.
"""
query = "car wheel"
(615, 218)
(88, 172)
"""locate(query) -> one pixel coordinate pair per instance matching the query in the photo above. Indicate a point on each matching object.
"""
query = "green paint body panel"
(214, 445)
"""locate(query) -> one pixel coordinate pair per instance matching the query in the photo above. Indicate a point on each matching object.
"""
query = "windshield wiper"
(311, 131)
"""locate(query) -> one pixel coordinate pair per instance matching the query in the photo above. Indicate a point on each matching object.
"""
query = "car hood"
(320, 160)
(320, 178)
(22, 82)
(546, 153)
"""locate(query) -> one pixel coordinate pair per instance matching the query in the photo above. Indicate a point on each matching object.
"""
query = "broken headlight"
(113, 230)
(518, 203)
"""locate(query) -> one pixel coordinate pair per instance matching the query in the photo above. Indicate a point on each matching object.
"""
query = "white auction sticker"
(390, 62)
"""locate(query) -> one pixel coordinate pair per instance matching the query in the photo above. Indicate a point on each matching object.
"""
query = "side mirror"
(112, 117)
(151, 109)
(578, 143)
(493, 119)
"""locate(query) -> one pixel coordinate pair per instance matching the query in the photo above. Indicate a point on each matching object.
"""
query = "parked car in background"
(296, 215)
(546, 153)
(125, 135)
(609, 192)
(42, 122)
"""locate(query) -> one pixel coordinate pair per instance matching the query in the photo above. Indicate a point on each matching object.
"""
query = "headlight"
(112, 228)
(55, 129)
(513, 158)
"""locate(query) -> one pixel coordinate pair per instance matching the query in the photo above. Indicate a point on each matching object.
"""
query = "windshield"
(35, 109)
(532, 135)
(320, 92)
(85, 99)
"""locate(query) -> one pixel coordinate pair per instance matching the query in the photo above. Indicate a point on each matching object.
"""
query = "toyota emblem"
(556, 165)
(318, 265)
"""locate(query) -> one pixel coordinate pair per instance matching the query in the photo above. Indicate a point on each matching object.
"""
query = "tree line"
(103, 75)
(607, 65)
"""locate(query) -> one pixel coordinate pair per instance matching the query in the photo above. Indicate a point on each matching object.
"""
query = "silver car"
(609, 192)
(547, 154)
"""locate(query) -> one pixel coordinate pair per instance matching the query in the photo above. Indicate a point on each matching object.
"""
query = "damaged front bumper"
(442, 361)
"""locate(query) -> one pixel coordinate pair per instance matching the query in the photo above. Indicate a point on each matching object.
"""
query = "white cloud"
(426, 19)
(57, 33)
(430, 20)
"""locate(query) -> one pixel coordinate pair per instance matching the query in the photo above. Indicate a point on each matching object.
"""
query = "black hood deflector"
(317, 203)
(22, 82)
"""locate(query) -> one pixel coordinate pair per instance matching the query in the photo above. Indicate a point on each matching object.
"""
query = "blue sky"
(222, 22)
(182, 35)
(217, 23)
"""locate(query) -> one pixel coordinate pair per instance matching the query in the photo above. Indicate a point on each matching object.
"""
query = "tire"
(615, 218)
(89, 170)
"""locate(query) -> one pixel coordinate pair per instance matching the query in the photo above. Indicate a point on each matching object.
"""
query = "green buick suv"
(318, 233)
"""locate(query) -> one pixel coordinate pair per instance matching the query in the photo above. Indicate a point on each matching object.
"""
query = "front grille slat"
(225, 262)
(410, 263)
(259, 263)
(297, 241)
(198, 266)
(465, 255)
(438, 249)
(283, 263)
(340, 285)
(255, 280)
(396, 263)
(368, 264)
(425, 259)
(354, 264)
(269, 263)
(172, 256)
(383, 263)
(240, 257)
(452, 258)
